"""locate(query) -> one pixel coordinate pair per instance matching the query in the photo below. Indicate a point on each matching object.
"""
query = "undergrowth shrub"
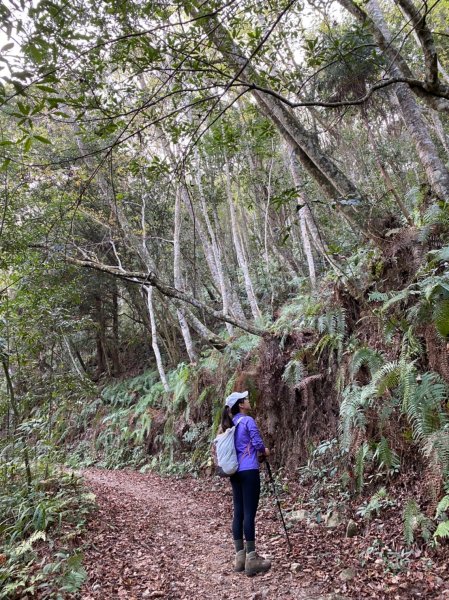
(39, 529)
(137, 414)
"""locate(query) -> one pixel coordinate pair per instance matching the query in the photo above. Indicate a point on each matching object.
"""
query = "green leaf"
(38, 108)
(22, 75)
(24, 109)
(442, 507)
(441, 255)
(35, 53)
(27, 145)
(46, 88)
(7, 47)
(4, 166)
(442, 530)
(442, 317)
(41, 139)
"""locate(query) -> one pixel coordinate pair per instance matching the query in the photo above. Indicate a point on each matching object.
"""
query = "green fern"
(75, 574)
(300, 313)
(366, 357)
(239, 347)
(441, 255)
(352, 415)
(206, 392)
(229, 387)
(442, 531)
(441, 317)
(434, 215)
(442, 507)
(210, 361)
(411, 345)
(27, 545)
(387, 377)
(385, 456)
(422, 402)
(180, 384)
(378, 297)
(412, 518)
(294, 373)
(377, 501)
(361, 457)
(436, 450)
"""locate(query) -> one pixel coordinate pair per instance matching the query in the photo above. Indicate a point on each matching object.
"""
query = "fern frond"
(410, 520)
(387, 377)
(204, 394)
(414, 519)
(442, 507)
(179, 381)
(385, 456)
(294, 373)
(411, 345)
(442, 530)
(230, 385)
(368, 357)
(239, 347)
(436, 450)
(210, 360)
(352, 415)
(413, 196)
(441, 255)
(423, 404)
(441, 317)
(27, 545)
(394, 299)
(361, 458)
(378, 296)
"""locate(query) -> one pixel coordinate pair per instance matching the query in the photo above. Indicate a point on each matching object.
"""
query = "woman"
(245, 482)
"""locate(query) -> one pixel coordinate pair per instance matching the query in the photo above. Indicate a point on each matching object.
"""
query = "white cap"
(232, 398)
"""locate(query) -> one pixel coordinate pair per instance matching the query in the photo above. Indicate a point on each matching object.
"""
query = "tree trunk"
(115, 354)
(436, 172)
(440, 131)
(215, 248)
(302, 219)
(333, 181)
(100, 339)
(154, 342)
(178, 279)
(375, 23)
(16, 413)
(141, 251)
(385, 174)
(239, 248)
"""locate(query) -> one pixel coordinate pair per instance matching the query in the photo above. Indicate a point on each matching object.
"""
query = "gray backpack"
(225, 452)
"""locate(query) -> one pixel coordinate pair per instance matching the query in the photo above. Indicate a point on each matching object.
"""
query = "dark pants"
(245, 492)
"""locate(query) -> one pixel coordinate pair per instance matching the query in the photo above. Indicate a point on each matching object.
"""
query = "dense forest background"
(206, 196)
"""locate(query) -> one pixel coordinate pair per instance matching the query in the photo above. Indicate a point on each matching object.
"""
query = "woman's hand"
(263, 455)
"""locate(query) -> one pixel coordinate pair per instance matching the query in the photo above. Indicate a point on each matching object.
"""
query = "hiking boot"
(240, 558)
(256, 564)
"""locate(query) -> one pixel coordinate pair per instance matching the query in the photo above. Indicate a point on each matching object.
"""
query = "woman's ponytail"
(228, 413)
(226, 419)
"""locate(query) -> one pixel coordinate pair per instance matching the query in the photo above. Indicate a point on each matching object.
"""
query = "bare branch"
(425, 37)
(150, 278)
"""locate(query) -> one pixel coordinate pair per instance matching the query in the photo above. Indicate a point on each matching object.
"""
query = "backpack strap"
(247, 449)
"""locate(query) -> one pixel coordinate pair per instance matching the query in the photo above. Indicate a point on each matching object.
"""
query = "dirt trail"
(163, 538)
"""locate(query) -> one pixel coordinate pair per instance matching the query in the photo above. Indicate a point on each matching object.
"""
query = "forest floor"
(155, 537)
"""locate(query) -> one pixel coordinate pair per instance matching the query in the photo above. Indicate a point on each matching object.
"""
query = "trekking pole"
(270, 477)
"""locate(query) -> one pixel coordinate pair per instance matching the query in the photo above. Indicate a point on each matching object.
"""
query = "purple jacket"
(247, 442)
